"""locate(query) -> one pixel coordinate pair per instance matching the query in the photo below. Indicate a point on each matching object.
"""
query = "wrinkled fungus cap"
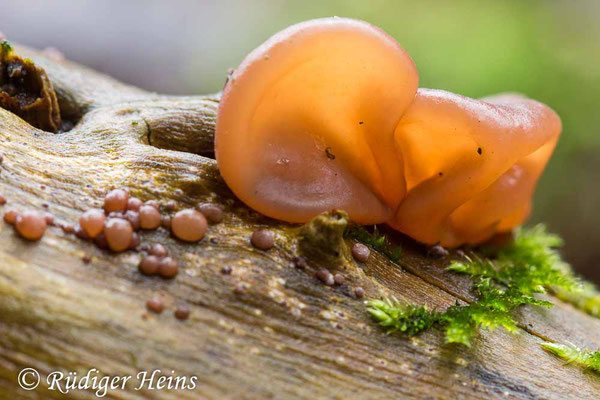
(326, 114)
(306, 123)
(471, 165)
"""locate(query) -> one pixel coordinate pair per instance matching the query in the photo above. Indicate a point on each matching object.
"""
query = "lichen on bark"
(322, 239)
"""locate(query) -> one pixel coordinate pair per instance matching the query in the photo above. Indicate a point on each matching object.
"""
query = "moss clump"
(528, 265)
(587, 299)
(395, 317)
(584, 358)
(5, 47)
(460, 322)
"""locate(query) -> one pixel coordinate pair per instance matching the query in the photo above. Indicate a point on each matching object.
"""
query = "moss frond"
(473, 266)
(584, 358)
(374, 240)
(462, 323)
(586, 299)
(532, 263)
(5, 46)
(529, 265)
(395, 317)
(492, 310)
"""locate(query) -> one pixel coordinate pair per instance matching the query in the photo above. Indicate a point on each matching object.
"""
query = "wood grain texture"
(286, 337)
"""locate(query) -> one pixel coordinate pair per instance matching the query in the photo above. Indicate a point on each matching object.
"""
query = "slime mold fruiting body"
(326, 114)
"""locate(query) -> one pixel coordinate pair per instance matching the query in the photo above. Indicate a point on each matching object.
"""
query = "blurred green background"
(548, 50)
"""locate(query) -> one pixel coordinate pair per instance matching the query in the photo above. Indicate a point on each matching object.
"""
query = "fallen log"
(265, 330)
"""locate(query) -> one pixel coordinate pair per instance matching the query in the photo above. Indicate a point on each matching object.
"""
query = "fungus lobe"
(326, 114)
(292, 121)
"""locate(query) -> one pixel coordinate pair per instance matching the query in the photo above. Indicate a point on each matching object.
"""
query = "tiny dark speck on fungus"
(479, 150)
(329, 154)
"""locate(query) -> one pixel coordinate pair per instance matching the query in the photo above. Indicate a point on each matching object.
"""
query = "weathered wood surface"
(287, 337)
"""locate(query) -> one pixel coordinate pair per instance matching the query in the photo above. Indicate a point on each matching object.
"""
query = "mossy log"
(286, 336)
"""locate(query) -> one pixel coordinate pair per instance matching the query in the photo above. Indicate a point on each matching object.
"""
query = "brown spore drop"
(81, 233)
(10, 216)
(182, 312)
(101, 242)
(438, 251)
(92, 222)
(360, 252)
(134, 204)
(116, 200)
(116, 214)
(170, 205)
(49, 218)
(134, 219)
(149, 217)
(135, 241)
(67, 228)
(31, 225)
(149, 265)
(153, 203)
(165, 221)
(263, 239)
(240, 288)
(359, 292)
(226, 270)
(212, 212)
(189, 225)
(2, 200)
(87, 258)
(168, 268)
(118, 234)
(155, 305)
(339, 279)
(325, 276)
(158, 250)
(299, 262)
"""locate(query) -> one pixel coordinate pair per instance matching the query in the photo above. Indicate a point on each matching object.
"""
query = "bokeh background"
(548, 50)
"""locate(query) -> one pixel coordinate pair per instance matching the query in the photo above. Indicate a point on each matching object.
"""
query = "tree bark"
(286, 336)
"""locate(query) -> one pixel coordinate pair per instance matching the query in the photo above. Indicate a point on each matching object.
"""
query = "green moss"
(374, 240)
(493, 309)
(533, 264)
(5, 46)
(584, 358)
(395, 317)
(529, 265)
(587, 299)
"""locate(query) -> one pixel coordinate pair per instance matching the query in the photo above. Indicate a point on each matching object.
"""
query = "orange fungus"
(326, 114)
